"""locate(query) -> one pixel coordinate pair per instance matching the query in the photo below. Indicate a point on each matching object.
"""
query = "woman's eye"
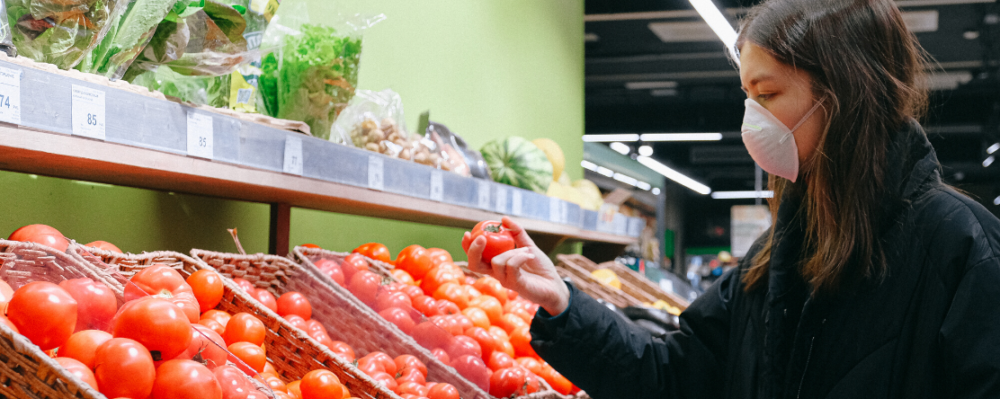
(764, 96)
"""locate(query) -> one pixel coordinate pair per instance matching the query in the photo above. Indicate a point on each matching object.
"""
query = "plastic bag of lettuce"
(60, 32)
(310, 69)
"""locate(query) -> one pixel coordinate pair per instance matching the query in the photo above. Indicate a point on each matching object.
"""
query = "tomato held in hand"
(375, 251)
(96, 303)
(508, 382)
(78, 369)
(124, 369)
(186, 379)
(82, 346)
(44, 313)
(41, 234)
(294, 303)
(498, 239)
(164, 282)
(321, 384)
(207, 287)
(156, 324)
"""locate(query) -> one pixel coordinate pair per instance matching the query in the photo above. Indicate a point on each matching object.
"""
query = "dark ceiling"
(621, 47)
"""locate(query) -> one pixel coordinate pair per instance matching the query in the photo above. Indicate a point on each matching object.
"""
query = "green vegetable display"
(128, 35)
(311, 77)
(59, 32)
(517, 162)
(213, 91)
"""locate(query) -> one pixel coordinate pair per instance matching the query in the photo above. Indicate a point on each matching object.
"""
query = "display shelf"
(146, 145)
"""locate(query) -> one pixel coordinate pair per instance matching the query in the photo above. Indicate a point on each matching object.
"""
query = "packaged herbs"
(59, 32)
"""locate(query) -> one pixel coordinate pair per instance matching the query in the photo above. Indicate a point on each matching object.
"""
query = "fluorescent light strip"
(656, 191)
(643, 185)
(626, 179)
(681, 137)
(719, 24)
(605, 171)
(620, 148)
(996, 201)
(988, 161)
(670, 84)
(674, 175)
(742, 194)
(607, 138)
(589, 165)
(993, 148)
(646, 151)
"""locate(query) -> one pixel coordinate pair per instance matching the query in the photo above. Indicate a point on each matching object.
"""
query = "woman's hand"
(526, 269)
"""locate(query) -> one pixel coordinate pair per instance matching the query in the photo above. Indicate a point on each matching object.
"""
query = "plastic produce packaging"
(60, 32)
(129, 32)
(310, 70)
(6, 43)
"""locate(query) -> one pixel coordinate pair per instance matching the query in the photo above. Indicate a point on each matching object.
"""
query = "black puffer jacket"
(931, 329)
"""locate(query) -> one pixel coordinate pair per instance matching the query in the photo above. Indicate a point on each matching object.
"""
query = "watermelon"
(519, 163)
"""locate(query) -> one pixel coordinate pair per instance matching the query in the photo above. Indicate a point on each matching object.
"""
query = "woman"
(876, 281)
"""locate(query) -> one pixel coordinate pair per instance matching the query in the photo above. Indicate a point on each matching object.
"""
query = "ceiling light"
(988, 161)
(651, 85)
(605, 171)
(646, 151)
(656, 191)
(674, 175)
(993, 148)
(589, 165)
(626, 179)
(970, 34)
(719, 24)
(620, 148)
(591, 37)
(643, 185)
(663, 92)
(921, 21)
(681, 137)
(742, 194)
(996, 201)
(607, 138)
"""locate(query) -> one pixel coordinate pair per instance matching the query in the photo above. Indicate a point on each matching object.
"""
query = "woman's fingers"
(466, 240)
(521, 237)
(475, 254)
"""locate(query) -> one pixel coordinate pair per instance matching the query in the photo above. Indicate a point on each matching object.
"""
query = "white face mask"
(770, 143)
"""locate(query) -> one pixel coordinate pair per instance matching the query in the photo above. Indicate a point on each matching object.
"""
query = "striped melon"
(519, 163)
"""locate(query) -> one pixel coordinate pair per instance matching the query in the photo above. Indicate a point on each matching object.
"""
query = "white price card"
(293, 155)
(200, 135)
(88, 112)
(484, 195)
(10, 95)
(555, 210)
(437, 185)
(501, 201)
(376, 172)
(516, 201)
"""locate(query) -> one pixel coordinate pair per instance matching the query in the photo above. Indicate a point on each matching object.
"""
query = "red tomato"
(499, 360)
(275, 384)
(386, 380)
(218, 315)
(207, 287)
(96, 303)
(412, 291)
(508, 382)
(298, 322)
(469, 280)
(498, 333)
(511, 294)
(164, 282)
(441, 355)
(558, 382)
(213, 325)
(78, 369)
(185, 379)
(477, 316)
(207, 344)
(385, 300)
(523, 314)
(342, 349)
(521, 340)
(107, 246)
(315, 329)
(498, 239)
(294, 303)
(446, 307)
(265, 298)
(5, 294)
(490, 305)
(407, 253)
(244, 284)
(411, 375)
(233, 382)
(331, 269)
(463, 322)
(400, 318)
(507, 348)
(244, 327)
(41, 234)
(462, 345)
(370, 366)
(531, 364)
(353, 263)
(83, 345)
(452, 292)
(446, 323)
(439, 256)
(387, 362)
(314, 246)
(364, 285)
(510, 322)
(425, 304)
(123, 368)
(417, 264)
(248, 357)
(410, 387)
(293, 389)
(322, 384)
(156, 324)
(473, 369)
(532, 384)
(485, 340)
(44, 313)
(438, 276)
(404, 362)
(492, 287)
(375, 251)
(403, 277)
(442, 391)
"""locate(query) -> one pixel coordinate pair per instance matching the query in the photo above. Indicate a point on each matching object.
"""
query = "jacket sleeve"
(610, 357)
(970, 348)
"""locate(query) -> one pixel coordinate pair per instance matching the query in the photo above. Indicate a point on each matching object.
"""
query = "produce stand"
(635, 289)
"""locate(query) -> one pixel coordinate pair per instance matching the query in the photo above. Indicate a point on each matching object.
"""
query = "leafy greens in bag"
(59, 32)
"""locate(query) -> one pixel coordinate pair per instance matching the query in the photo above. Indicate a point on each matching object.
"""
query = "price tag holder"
(376, 173)
(293, 155)
(501, 201)
(200, 135)
(516, 202)
(484, 195)
(88, 112)
(437, 186)
(10, 95)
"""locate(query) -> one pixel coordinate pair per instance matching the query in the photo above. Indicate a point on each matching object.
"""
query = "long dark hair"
(869, 68)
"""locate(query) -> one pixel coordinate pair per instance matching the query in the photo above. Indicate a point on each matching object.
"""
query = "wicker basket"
(25, 371)
(640, 287)
(290, 349)
(569, 267)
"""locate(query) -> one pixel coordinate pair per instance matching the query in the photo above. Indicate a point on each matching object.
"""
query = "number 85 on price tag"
(200, 135)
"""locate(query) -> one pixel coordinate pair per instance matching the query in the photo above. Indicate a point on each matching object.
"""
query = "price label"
(376, 172)
(437, 186)
(555, 210)
(88, 112)
(516, 201)
(501, 201)
(293, 155)
(200, 135)
(484, 195)
(10, 95)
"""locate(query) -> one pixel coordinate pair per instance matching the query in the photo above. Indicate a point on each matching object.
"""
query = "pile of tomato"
(475, 325)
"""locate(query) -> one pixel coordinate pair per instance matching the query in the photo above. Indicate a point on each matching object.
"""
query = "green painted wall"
(486, 69)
